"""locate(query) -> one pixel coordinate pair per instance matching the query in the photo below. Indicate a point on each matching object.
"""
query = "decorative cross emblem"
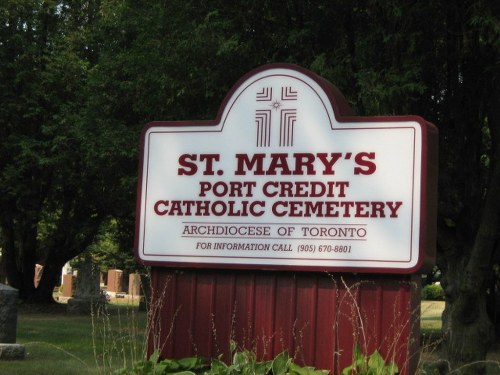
(264, 118)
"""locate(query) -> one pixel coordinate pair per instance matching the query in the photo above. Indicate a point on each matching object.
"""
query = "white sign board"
(282, 180)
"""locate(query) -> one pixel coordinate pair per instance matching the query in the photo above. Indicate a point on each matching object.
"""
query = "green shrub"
(433, 292)
(243, 363)
(369, 365)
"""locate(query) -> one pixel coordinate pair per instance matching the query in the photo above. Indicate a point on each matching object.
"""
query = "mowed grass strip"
(430, 316)
(58, 344)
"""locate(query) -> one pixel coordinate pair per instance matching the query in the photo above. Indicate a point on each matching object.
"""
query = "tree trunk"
(20, 260)
(27, 246)
(467, 329)
(50, 277)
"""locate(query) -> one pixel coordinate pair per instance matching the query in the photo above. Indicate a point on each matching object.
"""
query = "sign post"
(287, 210)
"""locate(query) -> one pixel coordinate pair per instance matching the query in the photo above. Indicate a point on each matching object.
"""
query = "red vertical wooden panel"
(305, 327)
(163, 311)
(265, 297)
(203, 312)
(414, 339)
(392, 324)
(406, 323)
(224, 308)
(371, 313)
(407, 331)
(285, 305)
(243, 331)
(347, 325)
(325, 346)
(185, 309)
(318, 318)
(403, 315)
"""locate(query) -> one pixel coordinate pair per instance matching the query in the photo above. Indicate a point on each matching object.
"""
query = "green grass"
(430, 317)
(430, 328)
(59, 344)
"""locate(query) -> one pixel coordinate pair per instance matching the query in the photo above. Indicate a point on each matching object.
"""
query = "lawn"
(58, 344)
(430, 317)
(61, 344)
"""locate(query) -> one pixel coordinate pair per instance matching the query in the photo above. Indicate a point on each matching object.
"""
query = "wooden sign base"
(317, 317)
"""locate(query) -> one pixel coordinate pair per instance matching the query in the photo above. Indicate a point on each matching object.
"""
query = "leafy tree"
(54, 192)
(25, 28)
(439, 60)
(79, 78)
(469, 219)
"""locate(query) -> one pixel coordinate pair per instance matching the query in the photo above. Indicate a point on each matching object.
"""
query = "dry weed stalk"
(358, 316)
(119, 342)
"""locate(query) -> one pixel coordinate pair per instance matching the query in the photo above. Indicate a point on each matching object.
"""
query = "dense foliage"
(78, 79)
(433, 292)
(243, 362)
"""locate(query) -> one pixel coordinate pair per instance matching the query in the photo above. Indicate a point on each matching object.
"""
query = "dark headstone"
(12, 351)
(87, 293)
(8, 324)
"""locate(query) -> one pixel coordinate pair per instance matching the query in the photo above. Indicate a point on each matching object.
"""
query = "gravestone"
(134, 284)
(87, 292)
(115, 281)
(8, 324)
(68, 285)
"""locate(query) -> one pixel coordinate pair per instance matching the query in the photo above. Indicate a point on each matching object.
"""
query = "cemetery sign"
(287, 178)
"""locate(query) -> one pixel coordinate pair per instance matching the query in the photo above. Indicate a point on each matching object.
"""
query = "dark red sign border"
(343, 114)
